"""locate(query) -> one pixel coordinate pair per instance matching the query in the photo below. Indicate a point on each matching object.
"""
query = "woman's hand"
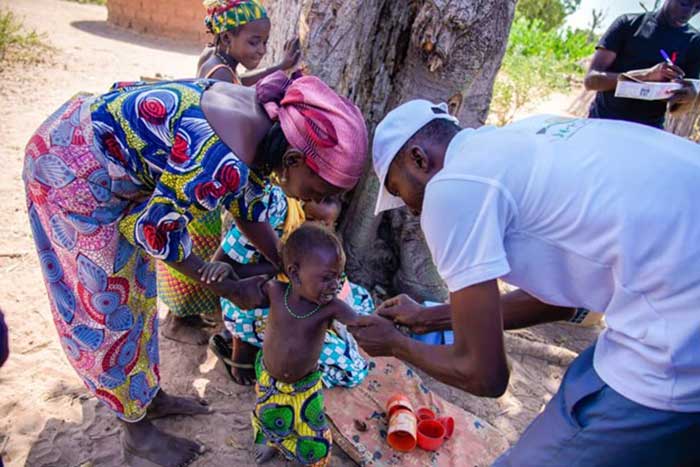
(292, 54)
(404, 311)
(216, 271)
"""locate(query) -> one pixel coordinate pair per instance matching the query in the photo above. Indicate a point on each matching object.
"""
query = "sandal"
(220, 346)
(208, 322)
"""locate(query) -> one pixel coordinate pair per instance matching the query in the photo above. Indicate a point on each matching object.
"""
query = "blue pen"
(666, 57)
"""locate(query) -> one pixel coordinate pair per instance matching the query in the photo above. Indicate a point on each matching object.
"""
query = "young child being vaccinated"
(289, 412)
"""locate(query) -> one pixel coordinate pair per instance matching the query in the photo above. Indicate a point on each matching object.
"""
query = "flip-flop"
(220, 347)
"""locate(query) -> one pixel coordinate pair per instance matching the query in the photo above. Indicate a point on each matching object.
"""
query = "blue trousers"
(588, 424)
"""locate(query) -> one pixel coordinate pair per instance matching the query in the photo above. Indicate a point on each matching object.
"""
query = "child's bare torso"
(292, 346)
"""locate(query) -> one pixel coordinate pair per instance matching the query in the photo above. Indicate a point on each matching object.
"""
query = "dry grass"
(18, 44)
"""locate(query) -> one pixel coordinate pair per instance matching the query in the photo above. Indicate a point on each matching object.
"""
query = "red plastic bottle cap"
(431, 435)
(449, 424)
(425, 413)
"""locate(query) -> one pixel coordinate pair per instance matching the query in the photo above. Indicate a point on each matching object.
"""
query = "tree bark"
(380, 53)
(686, 124)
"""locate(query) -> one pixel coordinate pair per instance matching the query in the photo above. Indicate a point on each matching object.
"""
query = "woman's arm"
(245, 293)
(263, 268)
(264, 238)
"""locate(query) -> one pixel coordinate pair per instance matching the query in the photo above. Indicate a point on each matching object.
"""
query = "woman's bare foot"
(145, 445)
(165, 405)
(188, 330)
(243, 354)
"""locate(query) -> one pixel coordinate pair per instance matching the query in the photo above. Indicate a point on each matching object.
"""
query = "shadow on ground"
(109, 31)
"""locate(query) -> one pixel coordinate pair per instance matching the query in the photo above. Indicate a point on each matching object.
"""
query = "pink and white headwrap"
(326, 127)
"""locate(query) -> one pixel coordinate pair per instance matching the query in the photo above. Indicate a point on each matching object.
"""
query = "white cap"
(392, 133)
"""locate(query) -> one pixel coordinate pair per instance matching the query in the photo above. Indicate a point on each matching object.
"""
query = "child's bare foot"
(188, 330)
(145, 445)
(263, 453)
(165, 405)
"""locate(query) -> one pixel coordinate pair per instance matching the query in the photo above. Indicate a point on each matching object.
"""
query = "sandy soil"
(47, 418)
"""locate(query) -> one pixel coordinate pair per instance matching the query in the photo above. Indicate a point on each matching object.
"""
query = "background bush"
(542, 57)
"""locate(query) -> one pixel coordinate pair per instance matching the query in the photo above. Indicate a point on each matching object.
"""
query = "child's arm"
(344, 313)
(290, 59)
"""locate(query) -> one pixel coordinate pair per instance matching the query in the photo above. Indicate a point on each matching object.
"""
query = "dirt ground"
(47, 418)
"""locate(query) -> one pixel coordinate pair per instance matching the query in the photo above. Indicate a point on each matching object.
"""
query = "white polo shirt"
(584, 213)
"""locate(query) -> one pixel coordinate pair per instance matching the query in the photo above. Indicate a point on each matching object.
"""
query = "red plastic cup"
(396, 402)
(425, 413)
(401, 435)
(431, 435)
(449, 424)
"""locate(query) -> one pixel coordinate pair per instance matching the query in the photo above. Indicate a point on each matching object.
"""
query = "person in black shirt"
(632, 46)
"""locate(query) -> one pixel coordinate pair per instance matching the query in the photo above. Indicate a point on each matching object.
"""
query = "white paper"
(648, 91)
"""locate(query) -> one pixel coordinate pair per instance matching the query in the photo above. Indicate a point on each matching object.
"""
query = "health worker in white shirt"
(579, 214)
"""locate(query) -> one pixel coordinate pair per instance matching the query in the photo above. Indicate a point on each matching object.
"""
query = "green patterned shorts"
(290, 417)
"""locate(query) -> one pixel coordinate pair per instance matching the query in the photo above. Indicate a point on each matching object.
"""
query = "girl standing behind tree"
(241, 30)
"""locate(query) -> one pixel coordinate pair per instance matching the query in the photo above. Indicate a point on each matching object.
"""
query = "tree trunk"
(381, 53)
(685, 124)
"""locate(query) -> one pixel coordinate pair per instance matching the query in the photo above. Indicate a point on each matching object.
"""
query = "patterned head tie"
(326, 127)
(225, 15)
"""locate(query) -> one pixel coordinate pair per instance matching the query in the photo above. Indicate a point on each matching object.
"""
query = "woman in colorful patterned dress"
(113, 181)
(241, 30)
